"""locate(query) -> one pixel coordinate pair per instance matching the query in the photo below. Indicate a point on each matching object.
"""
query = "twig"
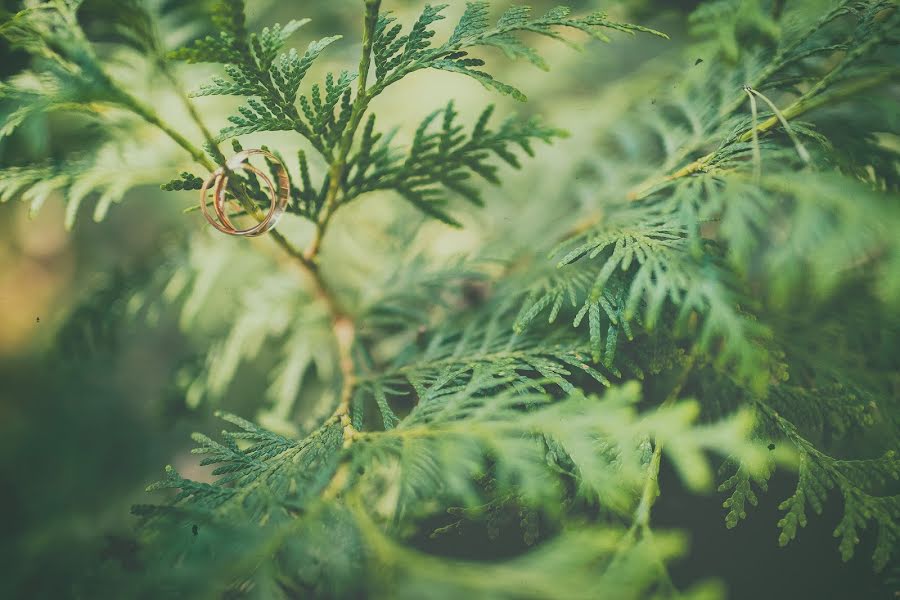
(650, 492)
(344, 327)
(807, 102)
(337, 168)
(651, 485)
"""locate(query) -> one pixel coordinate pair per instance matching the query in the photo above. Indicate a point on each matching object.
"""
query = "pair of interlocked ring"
(218, 181)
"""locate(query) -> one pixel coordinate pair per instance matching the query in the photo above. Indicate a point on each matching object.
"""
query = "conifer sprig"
(397, 56)
(736, 246)
(440, 160)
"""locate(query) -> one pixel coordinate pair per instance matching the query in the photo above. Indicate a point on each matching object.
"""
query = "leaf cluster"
(736, 246)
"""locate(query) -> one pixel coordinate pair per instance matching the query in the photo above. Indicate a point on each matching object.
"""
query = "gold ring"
(218, 180)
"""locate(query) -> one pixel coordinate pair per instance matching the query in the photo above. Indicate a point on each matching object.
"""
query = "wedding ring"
(218, 181)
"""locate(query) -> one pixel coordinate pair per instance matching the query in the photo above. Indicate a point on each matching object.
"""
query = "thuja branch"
(343, 326)
(802, 105)
(810, 100)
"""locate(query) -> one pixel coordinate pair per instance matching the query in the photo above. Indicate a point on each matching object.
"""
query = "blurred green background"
(93, 400)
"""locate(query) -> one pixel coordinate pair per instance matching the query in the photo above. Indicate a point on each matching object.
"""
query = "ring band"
(218, 180)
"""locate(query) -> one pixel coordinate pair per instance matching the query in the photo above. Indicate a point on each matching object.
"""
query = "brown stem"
(345, 335)
(344, 327)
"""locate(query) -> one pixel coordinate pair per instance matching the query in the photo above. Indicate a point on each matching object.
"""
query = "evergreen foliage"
(727, 296)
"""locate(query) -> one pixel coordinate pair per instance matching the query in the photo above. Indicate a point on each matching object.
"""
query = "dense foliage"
(722, 297)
